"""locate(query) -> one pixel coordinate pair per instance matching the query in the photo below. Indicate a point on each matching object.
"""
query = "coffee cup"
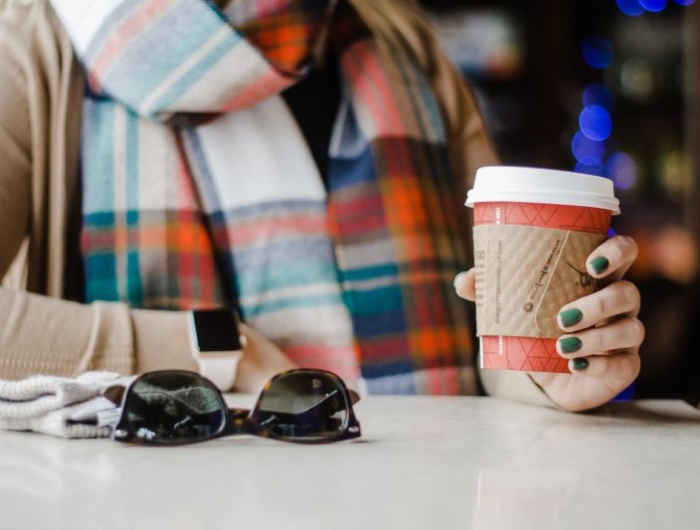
(533, 230)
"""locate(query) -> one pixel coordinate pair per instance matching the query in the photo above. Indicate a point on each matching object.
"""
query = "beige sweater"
(41, 87)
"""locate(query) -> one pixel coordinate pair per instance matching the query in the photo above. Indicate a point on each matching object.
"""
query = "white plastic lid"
(545, 186)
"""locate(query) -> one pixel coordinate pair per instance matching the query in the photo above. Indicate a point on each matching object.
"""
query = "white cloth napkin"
(60, 406)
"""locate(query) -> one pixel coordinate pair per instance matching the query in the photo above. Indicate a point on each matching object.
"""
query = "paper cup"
(533, 230)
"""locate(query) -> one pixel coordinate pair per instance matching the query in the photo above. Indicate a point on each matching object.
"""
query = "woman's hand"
(603, 333)
(261, 360)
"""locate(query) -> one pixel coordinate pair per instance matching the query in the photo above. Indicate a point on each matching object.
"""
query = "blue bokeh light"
(597, 169)
(653, 6)
(587, 151)
(630, 7)
(598, 94)
(595, 122)
(597, 51)
(622, 170)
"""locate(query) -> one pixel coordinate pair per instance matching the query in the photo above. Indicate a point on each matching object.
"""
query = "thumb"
(465, 284)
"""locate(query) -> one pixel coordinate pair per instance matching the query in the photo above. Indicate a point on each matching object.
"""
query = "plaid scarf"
(197, 181)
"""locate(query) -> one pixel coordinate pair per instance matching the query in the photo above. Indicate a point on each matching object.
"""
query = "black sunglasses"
(174, 407)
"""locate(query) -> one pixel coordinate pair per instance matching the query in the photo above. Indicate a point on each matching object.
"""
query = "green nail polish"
(570, 344)
(570, 317)
(599, 264)
(579, 364)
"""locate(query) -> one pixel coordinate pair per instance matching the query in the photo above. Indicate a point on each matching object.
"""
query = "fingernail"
(579, 364)
(570, 317)
(599, 264)
(569, 344)
(456, 280)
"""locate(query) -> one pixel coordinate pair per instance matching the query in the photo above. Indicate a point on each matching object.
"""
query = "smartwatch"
(217, 345)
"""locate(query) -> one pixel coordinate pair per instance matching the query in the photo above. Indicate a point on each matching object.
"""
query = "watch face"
(215, 330)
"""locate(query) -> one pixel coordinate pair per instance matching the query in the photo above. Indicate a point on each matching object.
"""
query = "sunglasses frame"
(238, 420)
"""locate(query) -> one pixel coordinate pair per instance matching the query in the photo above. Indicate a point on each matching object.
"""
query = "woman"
(304, 161)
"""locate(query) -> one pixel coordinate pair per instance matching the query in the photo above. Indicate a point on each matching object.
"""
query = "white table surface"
(422, 463)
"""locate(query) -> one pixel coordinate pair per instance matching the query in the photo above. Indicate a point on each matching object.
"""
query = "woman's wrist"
(162, 340)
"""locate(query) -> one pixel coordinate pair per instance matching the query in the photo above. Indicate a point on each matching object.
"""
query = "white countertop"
(422, 463)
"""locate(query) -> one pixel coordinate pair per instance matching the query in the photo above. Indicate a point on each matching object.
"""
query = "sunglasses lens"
(304, 406)
(170, 408)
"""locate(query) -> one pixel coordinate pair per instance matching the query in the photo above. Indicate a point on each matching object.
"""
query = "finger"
(615, 371)
(622, 334)
(465, 284)
(612, 258)
(616, 300)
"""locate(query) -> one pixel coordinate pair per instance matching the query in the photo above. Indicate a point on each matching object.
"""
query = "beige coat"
(41, 88)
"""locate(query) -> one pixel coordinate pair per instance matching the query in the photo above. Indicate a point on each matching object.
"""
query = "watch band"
(217, 345)
(219, 368)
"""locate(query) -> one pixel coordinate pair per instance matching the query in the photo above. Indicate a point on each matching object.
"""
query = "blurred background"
(611, 88)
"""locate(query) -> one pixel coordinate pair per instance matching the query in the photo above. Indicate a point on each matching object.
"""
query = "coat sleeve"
(41, 334)
(37, 334)
(15, 157)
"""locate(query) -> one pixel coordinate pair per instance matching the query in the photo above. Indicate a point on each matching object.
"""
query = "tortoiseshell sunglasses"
(174, 407)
